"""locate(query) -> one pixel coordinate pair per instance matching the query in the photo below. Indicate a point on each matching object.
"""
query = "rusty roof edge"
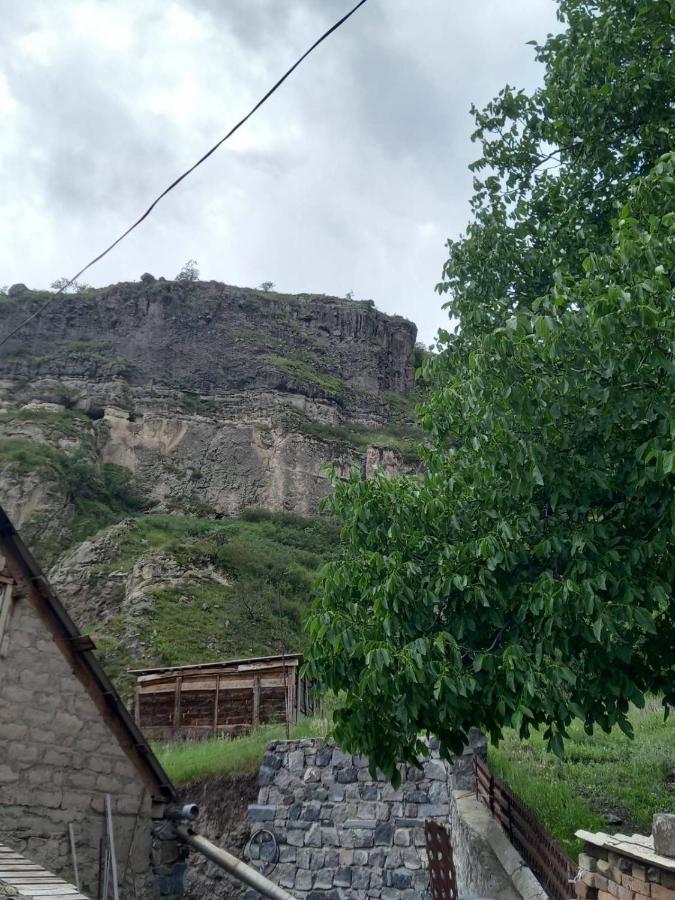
(31, 571)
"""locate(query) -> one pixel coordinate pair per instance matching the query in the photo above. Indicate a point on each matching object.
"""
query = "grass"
(197, 760)
(301, 371)
(404, 438)
(601, 773)
(100, 494)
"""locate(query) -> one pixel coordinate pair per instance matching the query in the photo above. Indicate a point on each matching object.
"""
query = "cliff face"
(216, 398)
(194, 399)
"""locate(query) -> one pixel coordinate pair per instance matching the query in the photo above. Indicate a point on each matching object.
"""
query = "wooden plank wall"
(203, 703)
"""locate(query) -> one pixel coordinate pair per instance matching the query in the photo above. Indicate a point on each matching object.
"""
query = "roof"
(78, 651)
(27, 879)
(636, 846)
(288, 659)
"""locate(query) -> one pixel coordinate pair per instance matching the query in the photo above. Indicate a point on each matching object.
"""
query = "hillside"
(141, 427)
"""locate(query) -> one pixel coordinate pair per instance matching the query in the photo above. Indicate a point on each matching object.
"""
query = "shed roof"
(290, 659)
(78, 650)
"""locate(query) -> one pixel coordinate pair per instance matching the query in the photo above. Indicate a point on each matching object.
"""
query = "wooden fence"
(554, 869)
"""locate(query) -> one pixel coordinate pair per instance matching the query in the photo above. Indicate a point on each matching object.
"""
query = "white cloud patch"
(350, 178)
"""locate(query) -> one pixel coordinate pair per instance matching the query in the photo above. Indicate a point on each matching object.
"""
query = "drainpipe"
(231, 864)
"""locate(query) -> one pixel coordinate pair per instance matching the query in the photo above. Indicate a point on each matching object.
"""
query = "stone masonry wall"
(58, 760)
(608, 873)
(341, 834)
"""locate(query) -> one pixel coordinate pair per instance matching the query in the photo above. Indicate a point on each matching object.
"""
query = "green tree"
(526, 577)
(189, 272)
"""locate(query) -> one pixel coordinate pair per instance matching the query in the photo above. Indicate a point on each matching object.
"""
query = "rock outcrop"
(192, 399)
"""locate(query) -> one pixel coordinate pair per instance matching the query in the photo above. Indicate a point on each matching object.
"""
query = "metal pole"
(234, 866)
(73, 853)
(111, 845)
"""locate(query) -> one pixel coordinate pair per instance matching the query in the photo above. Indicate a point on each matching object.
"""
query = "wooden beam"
(256, 701)
(5, 604)
(176, 703)
(215, 707)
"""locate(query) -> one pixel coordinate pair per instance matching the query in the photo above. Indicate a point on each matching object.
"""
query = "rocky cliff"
(194, 399)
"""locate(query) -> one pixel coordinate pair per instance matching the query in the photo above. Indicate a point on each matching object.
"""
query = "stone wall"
(623, 867)
(341, 833)
(58, 760)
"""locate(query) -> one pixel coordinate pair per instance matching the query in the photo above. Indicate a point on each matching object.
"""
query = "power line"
(186, 173)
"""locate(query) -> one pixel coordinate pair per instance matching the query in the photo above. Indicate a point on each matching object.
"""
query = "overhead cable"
(185, 174)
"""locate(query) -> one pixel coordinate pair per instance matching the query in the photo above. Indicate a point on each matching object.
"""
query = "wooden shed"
(226, 698)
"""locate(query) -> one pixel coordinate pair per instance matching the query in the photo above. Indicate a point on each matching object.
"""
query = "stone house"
(67, 741)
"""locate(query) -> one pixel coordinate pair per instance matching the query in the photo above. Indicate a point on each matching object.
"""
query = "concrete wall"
(58, 759)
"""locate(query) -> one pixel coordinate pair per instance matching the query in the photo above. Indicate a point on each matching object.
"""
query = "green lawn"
(190, 761)
(602, 773)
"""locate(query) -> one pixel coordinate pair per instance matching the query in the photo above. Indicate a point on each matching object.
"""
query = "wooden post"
(256, 701)
(176, 705)
(5, 603)
(111, 845)
(137, 706)
(215, 706)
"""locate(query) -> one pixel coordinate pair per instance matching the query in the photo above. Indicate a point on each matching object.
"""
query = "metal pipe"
(234, 866)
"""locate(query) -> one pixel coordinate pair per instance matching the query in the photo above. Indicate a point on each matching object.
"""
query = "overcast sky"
(350, 178)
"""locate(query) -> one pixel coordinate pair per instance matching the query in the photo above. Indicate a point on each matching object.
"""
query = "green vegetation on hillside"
(100, 494)
(601, 773)
(245, 585)
(190, 761)
(305, 373)
(406, 439)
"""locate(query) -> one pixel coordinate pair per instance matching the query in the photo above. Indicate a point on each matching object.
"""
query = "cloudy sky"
(350, 179)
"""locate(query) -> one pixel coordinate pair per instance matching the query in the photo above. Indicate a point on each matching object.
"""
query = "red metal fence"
(554, 869)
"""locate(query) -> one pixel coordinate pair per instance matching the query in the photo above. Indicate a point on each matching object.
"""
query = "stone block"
(295, 838)
(340, 759)
(384, 833)
(595, 852)
(329, 837)
(362, 857)
(402, 837)
(368, 791)
(288, 854)
(433, 810)
(324, 756)
(347, 775)
(296, 761)
(313, 836)
(257, 813)
(312, 775)
(398, 879)
(343, 878)
(435, 771)
(360, 823)
(661, 892)
(366, 810)
(362, 838)
(588, 863)
(636, 884)
(304, 858)
(323, 880)
(663, 831)
(411, 858)
(303, 879)
(584, 891)
(331, 859)
(605, 895)
(596, 880)
(625, 893)
(654, 874)
(360, 878)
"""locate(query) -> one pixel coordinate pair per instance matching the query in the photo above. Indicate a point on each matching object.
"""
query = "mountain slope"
(141, 424)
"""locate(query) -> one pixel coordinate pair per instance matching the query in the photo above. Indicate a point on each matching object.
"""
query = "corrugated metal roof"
(220, 664)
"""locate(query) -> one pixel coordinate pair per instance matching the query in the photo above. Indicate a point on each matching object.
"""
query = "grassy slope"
(602, 773)
(186, 762)
(265, 565)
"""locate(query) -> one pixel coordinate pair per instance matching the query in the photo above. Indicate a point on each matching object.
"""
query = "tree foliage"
(525, 578)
